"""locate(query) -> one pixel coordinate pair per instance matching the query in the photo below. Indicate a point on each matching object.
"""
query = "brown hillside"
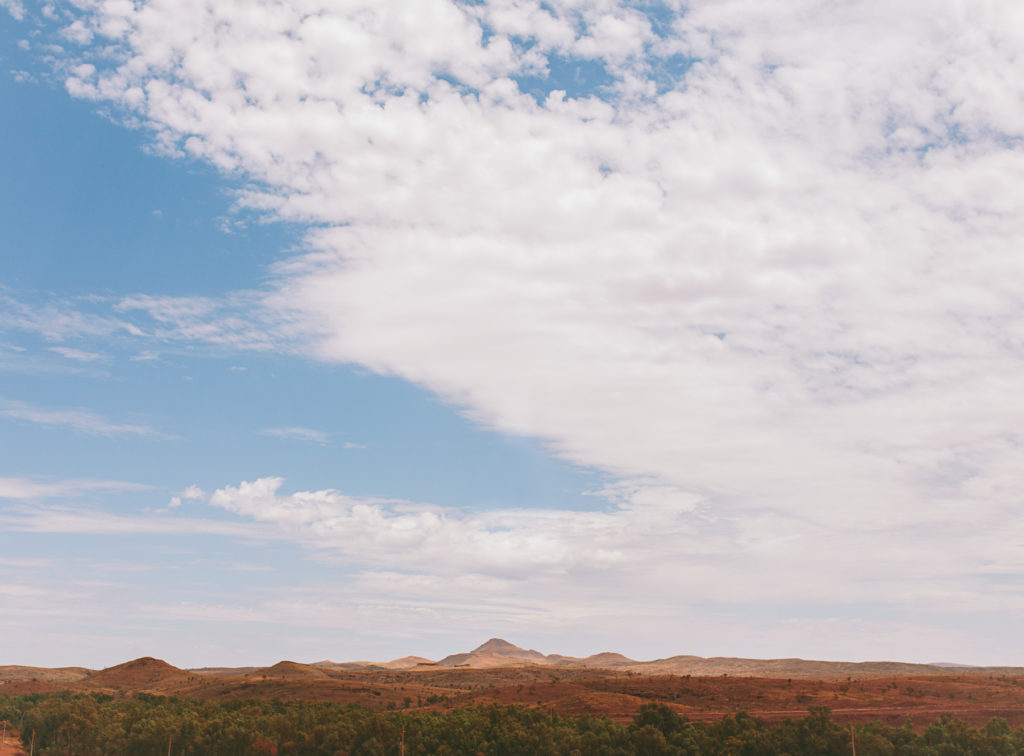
(145, 674)
(788, 668)
(607, 659)
(502, 647)
(289, 670)
(27, 687)
(576, 690)
(406, 662)
(223, 671)
(455, 660)
(16, 672)
(329, 665)
(495, 653)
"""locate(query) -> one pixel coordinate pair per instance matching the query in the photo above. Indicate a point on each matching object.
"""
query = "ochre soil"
(575, 691)
(12, 745)
(891, 700)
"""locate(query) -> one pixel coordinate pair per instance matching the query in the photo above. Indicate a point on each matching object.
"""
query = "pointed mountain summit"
(496, 652)
(501, 647)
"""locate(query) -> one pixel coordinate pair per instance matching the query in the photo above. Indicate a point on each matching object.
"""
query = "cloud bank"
(766, 263)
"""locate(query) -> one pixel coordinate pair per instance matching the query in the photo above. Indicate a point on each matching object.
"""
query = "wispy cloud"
(26, 563)
(297, 434)
(79, 420)
(33, 489)
(80, 355)
(53, 519)
(60, 319)
(236, 321)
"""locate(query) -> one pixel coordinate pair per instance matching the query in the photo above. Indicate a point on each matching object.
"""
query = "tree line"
(143, 725)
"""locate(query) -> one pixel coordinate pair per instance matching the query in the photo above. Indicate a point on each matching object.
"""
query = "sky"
(364, 328)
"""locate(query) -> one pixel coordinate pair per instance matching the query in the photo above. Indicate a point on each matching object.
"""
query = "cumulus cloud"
(192, 493)
(396, 532)
(537, 571)
(14, 7)
(783, 282)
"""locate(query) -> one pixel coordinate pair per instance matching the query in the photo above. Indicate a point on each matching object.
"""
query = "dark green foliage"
(144, 725)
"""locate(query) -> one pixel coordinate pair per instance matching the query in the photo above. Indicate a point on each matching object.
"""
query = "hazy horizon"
(512, 651)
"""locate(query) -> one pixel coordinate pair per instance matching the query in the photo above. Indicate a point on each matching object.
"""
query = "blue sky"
(88, 214)
(619, 326)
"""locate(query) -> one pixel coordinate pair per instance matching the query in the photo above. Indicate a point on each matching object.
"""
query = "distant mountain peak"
(144, 662)
(498, 646)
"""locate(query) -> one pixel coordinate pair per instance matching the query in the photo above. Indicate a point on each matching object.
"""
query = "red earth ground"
(571, 691)
(11, 745)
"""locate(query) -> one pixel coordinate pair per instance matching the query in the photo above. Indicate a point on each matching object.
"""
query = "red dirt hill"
(495, 653)
(146, 673)
(289, 670)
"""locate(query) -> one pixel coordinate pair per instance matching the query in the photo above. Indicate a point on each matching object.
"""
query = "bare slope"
(18, 673)
(498, 652)
(145, 674)
(289, 670)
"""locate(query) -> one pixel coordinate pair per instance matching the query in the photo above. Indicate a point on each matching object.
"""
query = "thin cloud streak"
(81, 521)
(79, 355)
(28, 489)
(293, 433)
(79, 420)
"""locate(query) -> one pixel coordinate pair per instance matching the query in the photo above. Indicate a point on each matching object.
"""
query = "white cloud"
(539, 573)
(192, 493)
(227, 322)
(502, 542)
(233, 322)
(785, 285)
(58, 319)
(79, 420)
(79, 33)
(677, 548)
(296, 434)
(81, 521)
(30, 489)
(79, 355)
(14, 7)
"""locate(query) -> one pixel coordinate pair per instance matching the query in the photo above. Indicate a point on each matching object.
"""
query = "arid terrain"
(9, 743)
(606, 684)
